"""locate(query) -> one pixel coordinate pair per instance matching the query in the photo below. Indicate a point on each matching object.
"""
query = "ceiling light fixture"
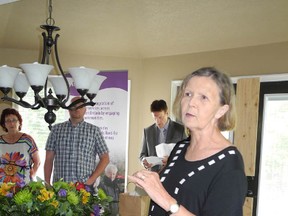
(36, 75)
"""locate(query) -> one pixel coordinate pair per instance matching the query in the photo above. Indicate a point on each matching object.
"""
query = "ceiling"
(145, 28)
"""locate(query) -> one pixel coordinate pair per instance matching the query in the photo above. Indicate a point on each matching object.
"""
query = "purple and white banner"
(111, 114)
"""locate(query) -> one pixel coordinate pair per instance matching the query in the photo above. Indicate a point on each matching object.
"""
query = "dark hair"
(10, 111)
(226, 94)
(158, 106)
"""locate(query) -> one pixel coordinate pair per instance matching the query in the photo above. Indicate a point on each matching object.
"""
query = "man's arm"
(48, 166)
(104, 161)
(148, 132)
(144, 150)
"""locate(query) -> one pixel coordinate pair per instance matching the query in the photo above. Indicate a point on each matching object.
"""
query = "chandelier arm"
(74, 103)
(19, 102)
(45, 91)
(61, 105)
(39, 102)
(45, 57)
(90, 103)
(36, 107)
(44, 52)
(61, 70)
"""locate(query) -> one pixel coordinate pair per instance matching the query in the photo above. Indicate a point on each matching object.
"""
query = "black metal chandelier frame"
(49, 102)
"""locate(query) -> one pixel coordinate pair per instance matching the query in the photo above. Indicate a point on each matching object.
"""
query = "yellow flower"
(45, 195)
(85, 199)
(5, 188)
(3, 192)
(84, 192)
(85, 196)
(55, 203)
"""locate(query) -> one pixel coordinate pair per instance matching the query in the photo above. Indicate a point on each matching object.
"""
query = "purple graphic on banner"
(114, 80)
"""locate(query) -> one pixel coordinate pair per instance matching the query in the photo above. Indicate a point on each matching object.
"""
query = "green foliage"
(37, 198)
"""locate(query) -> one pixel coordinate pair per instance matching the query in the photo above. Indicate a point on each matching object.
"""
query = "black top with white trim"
(215, 186)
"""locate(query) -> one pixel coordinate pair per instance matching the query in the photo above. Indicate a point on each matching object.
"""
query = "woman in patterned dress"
(19, 157)
(204, 175)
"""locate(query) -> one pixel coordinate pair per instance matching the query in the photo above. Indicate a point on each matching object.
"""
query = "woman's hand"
(150, 182)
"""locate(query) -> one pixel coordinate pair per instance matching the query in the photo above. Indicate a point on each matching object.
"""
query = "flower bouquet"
(38, 198)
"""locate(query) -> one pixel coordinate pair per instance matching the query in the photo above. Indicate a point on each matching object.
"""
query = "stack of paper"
(164, 149)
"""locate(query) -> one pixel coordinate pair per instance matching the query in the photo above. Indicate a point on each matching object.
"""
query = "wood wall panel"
(245, 135)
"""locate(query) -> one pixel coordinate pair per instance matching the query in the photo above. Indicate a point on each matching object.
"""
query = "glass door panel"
(273, 171)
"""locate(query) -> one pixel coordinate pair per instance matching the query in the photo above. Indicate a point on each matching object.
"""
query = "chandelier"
(36, 75)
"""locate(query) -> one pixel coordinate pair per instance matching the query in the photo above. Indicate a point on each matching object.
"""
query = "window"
(271, 162)
(273, 175)
(35, 125)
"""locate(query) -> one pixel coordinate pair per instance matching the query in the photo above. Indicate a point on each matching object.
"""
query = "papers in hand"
(154, 160)
(164, 149)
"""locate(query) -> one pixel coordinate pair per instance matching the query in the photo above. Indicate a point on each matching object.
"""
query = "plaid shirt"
(76, 150)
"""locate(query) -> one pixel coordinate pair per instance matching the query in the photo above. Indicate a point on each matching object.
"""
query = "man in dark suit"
(164, 130)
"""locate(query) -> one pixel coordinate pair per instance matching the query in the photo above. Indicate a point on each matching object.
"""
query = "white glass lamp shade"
(82, 76)
(96, 83)
(36, 73)
(59, 84)
(21, 83)
(8, 76)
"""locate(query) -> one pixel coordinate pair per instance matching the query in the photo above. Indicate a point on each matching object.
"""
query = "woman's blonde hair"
(226, 94)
